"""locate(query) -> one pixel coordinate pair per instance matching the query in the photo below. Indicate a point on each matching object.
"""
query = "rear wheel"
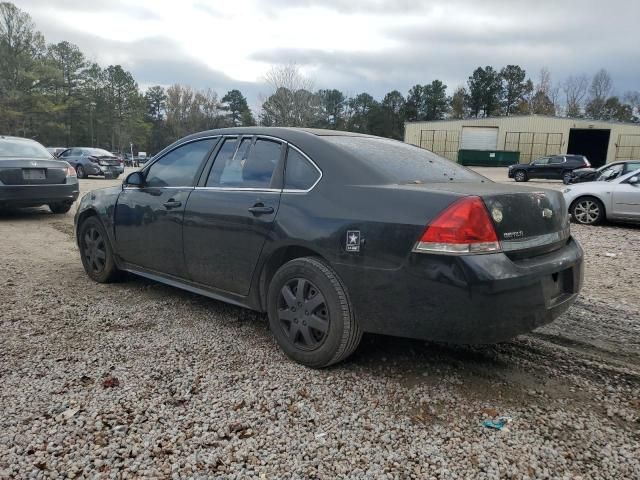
(80, 172)
(61, 207)
(520, 176)
(96, 252)
(310, 315)
(587, 211)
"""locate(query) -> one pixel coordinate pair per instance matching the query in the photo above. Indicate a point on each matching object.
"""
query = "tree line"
(54, 94)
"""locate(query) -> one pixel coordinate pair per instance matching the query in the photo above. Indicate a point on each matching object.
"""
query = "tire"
(93, 239)
(587, 211)
(80, 172)
(62, 207)
(309, 282)
(520, 176)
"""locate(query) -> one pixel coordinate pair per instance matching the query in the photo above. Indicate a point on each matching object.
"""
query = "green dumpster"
(488, 158)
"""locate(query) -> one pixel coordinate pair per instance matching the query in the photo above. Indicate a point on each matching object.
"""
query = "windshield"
(97, 152)
(22, 148)
(610, 173)
(404, 163)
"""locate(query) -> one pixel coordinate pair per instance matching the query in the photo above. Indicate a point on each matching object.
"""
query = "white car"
(617, 198)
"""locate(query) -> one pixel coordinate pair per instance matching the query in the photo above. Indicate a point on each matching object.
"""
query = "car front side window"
(179, 167)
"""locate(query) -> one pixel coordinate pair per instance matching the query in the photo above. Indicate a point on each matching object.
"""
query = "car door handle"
(171, 204)
(260, 209)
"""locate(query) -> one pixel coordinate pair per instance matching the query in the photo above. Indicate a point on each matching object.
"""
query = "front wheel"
(80, 172)
(520, 176)
(310, 315)
(587, 211)
(96, 252)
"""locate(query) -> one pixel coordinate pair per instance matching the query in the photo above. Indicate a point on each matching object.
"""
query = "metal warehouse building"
(531, 135)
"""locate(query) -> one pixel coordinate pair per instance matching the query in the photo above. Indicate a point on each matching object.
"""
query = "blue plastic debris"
(498, 424)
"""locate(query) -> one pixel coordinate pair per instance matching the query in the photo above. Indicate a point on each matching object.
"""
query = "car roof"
(20, 139)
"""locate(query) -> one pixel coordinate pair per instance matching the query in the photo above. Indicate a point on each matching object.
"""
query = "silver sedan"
(614, 198)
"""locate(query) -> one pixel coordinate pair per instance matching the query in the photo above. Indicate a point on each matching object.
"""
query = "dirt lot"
(137, 379)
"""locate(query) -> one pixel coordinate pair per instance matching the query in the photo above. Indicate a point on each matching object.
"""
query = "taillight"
(463, 227)
(587, 162)
(71, 172)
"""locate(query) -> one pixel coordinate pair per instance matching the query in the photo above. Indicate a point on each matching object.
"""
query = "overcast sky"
(354, 45)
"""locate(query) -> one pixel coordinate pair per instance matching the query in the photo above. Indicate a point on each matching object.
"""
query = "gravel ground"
(137, 379)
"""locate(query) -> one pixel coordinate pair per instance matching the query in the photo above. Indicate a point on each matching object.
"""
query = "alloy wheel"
(520, 176)
(95, 250)
(80, 172)
(587, 211)
(303, 314)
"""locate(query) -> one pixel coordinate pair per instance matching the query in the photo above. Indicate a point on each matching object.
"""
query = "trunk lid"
(37, 171)
(528, 221)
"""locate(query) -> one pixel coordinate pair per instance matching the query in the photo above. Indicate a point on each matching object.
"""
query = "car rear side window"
(178, 168)
(300, 174)
(556, 160)
(404, 163)
(252, 169)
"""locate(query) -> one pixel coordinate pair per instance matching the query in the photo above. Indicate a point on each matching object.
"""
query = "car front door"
(148, 218)
(626, 198)
(538, 167)
(230, 214)
(71, 155)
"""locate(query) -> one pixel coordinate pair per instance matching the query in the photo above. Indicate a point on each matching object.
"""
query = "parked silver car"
(93, 161)
(614, 198)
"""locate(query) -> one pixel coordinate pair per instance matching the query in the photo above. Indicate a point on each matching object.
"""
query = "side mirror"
(134, 179)
(633, 180)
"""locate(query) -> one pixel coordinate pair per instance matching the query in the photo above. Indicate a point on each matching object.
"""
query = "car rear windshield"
(22, 148)
(404, 163)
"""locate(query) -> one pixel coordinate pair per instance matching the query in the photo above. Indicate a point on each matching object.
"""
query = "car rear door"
(556, 167)
(230, 214)
(148, 219)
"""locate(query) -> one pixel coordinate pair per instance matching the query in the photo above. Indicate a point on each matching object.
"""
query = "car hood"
(11, 162)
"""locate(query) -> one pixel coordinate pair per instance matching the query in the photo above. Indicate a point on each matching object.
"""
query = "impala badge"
(496, 213)
(547, 213)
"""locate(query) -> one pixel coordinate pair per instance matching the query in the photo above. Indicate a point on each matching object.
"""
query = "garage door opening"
(591, 143)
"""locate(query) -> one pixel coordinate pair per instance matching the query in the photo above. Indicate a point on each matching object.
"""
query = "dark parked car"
(334, 234)
(93, 161)
(555, 167)
(30, 176)
(605, 172)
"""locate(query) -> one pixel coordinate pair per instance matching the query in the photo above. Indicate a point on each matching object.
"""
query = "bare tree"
(599, 91)
(545, 97)
(575, 90)
(633, 99)
(292, 101)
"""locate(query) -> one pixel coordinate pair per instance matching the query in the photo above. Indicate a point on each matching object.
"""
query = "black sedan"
(334, 234)
(30, 176)
(609, 171)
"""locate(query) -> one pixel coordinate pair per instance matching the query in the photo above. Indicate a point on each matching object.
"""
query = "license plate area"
(558, 284)
(34, 174)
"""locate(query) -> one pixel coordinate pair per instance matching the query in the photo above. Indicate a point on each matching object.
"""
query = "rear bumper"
(466, 299)
(103, 170)
(34, 195)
